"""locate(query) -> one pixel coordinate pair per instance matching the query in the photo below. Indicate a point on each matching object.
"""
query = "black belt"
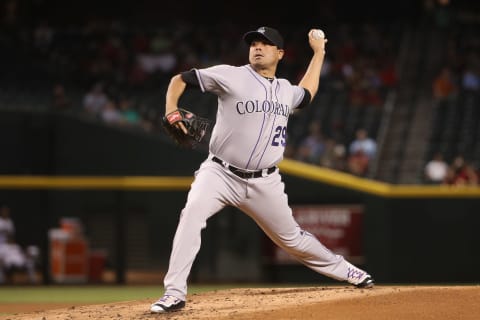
(245, 174)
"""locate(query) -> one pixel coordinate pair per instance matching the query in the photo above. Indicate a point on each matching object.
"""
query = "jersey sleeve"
(214, 79)
(301, 97)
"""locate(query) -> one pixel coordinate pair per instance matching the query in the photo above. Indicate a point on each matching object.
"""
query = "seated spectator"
(444, 86)
(358, 163)
(470, 79)
(468, 176)
(129, 114)
(312, 146)
(14, 259)
(334, 155)
(461, 173)
(361, 152)
(436, 169)
(111, 115)
(95, 100)
(364, 143)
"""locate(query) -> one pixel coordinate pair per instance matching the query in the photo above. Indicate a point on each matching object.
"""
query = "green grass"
(89, 294)
(112, 293)
(107, 293)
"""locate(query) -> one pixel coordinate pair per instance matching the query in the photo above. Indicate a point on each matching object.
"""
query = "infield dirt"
(381, 302)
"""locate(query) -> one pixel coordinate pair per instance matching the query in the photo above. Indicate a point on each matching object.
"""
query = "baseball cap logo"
(267, 33)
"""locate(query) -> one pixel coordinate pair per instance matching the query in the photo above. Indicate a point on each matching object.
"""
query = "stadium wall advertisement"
(337, 226)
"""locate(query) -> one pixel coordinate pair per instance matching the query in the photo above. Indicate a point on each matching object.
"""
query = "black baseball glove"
(196, 127)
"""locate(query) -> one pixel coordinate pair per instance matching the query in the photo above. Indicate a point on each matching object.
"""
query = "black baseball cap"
(272, 35)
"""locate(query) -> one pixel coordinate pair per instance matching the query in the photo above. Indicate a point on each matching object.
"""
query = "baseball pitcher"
(247, 143)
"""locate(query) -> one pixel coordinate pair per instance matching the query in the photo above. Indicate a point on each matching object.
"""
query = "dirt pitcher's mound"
(382, 302)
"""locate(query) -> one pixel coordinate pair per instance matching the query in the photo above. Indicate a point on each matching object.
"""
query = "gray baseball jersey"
(250, 133)
(252, 115)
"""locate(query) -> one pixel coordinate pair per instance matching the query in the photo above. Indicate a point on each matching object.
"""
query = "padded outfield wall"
(125, 188)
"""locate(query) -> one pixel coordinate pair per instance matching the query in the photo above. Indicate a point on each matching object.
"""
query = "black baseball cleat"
(367, 283)
(167, 304)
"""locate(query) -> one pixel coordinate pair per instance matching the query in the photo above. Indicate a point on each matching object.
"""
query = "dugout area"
(128, 194)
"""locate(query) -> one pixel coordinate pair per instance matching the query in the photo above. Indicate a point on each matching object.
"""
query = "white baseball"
(318, 34)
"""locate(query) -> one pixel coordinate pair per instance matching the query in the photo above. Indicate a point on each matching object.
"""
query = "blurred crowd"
(117, 73)
(459, 172)
(455, 145)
